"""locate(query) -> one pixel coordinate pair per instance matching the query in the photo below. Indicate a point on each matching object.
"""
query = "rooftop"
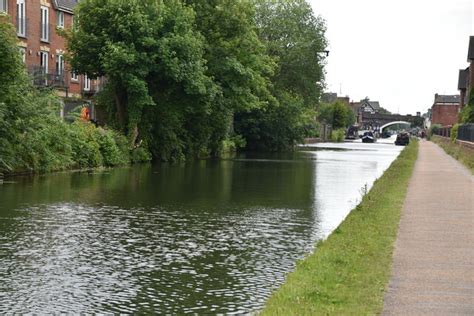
(447, 99)
(66, 5)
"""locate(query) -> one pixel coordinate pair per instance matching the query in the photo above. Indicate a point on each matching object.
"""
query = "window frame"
(60, 64)
(44, 36)
(21, 18)
(60, 19)
(4, 6)
(87, 83)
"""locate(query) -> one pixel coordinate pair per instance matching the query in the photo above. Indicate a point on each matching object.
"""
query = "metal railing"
(466, 132)
(48, 78)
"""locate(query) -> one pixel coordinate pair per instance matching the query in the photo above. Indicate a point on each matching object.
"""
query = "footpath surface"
(433, 263)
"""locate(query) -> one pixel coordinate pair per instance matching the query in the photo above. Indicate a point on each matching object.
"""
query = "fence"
(466, 132)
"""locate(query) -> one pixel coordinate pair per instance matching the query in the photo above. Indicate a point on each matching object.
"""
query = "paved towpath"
(433, 264)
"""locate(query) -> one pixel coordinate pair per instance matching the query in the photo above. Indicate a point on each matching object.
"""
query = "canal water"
(204, 237)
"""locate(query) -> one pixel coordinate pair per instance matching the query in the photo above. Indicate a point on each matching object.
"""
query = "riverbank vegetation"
(339, 116)
(189, 79)
(464, 154)
(348, 273)
(32, 135)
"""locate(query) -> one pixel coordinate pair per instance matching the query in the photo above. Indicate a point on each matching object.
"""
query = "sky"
(397, 52)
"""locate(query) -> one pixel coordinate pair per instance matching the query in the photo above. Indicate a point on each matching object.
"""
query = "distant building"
(470, 60)
(366, 106)
(332, 97)
(445, 109)
(43, 50)
(463, 86)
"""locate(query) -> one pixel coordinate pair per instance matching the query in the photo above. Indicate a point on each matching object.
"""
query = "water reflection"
(205, 237)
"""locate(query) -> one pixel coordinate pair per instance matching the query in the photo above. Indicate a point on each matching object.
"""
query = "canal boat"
(403, 139)
(368, 137)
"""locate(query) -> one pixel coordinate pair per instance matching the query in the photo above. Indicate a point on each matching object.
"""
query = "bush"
(454, 133)
(338, 135)
(140, 154)
(434, 129)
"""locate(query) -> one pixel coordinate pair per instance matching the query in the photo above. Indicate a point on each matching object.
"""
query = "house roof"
(329, 97)
(470, 51)
(66, 5)
(447, 99)
(462, 79)
(375, 105)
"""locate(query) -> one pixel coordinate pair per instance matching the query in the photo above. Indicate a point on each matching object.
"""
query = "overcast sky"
(398, 52)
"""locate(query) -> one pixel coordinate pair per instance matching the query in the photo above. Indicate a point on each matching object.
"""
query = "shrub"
(434, 129)
(454, 132)
(338, 135)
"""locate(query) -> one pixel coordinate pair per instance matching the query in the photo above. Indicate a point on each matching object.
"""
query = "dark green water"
(205, 237)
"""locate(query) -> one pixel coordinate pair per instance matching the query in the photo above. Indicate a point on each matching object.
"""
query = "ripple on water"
(72, 257)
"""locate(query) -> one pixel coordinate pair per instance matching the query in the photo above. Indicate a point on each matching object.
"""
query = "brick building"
(445, 110)
(466, 76)
(43, 50)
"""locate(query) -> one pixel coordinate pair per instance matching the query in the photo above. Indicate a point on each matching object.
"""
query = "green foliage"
(276, 127)
(32, 135)
(140, 154)
(464, 154)
(467, 113)
(185, 76)
(294, 37)
(338, 115)
(454, 132)
(434, 129)
(338, 135)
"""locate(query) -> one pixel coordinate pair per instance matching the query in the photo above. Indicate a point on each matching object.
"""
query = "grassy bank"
(461, 153)
(349, 271)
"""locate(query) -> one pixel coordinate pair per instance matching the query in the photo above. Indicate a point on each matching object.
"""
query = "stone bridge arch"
(394, 123)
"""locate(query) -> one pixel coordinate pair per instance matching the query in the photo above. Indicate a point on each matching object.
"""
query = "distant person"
(85, 114)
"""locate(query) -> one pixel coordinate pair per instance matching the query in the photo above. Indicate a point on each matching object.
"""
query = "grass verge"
(463, 154)
(349, 271)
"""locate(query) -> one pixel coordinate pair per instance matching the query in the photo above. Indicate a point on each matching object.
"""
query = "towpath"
(433, 264)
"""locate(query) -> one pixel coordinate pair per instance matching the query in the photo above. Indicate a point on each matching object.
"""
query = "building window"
(59, 64)
(45, 24)
(20, 18)
(44, 61)
(23, 54)
(43, 68)
(60, 19)
(74, 76)
(3, 5)
(87, 83)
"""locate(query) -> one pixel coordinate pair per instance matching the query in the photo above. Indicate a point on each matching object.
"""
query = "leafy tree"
(467, 113)
(147, 50)
(338, 114)
(295, 37)
(236, 60)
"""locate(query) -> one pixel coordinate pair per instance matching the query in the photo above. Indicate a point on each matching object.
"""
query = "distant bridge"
(379, 121)
(394, 123)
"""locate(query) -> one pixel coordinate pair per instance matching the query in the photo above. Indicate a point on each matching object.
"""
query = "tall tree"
(295, 37)
(137, 44)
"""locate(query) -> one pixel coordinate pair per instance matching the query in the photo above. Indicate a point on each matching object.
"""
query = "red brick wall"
(445, 114)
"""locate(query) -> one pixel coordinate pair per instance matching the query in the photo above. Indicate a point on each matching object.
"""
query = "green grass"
(348, 272)
(463, 154)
